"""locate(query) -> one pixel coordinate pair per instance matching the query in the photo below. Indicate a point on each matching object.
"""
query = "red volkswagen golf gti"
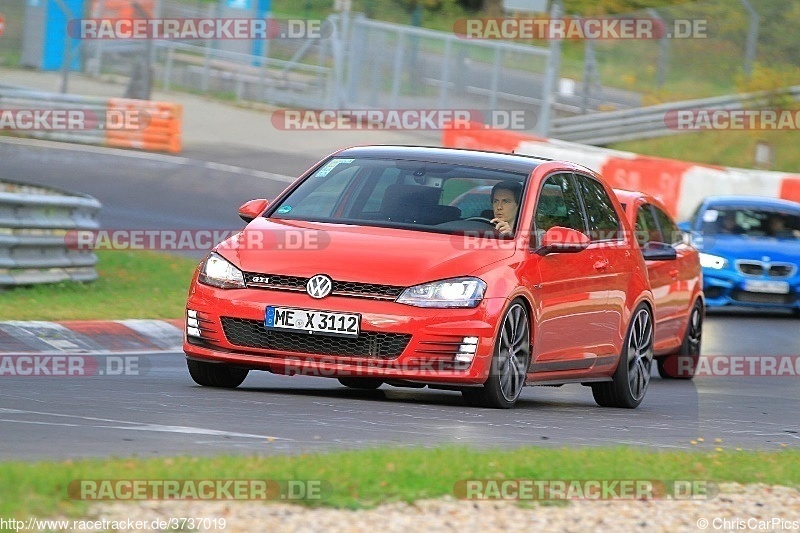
(676, 280)
(361, 270)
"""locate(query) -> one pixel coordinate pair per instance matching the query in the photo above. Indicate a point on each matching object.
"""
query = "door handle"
(674, 273)
(601, 264)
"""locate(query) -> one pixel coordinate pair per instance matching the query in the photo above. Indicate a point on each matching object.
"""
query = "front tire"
(675, 366)
(215, 374)
(509, 366)
(630, 380)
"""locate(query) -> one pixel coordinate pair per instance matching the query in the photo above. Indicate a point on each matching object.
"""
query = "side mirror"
(252, 209)
(562, 240)
(659, 251)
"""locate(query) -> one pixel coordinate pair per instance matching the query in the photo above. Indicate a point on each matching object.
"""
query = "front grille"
(763, 298)
(773, 270)
(750, 268)
(781, 270)
(253, 334)
(340, 288)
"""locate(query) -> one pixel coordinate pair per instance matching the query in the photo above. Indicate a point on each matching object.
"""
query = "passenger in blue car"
(729, 224)
(776, 227)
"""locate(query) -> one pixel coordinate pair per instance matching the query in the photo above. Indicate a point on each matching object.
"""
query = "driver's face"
(504, 206)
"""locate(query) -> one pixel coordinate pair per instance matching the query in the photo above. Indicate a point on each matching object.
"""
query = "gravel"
(735, 508)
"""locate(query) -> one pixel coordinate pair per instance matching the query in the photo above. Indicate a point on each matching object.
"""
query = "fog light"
(467, 349)
(192, 324)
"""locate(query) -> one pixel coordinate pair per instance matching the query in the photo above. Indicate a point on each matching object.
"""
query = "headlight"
(456, 292)
(218, 271)
(712, 261)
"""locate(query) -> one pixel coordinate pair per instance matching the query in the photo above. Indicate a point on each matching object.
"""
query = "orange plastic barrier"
(476, 136)
(144, 125)
(122, 9)
(657, 176)
(790, 188)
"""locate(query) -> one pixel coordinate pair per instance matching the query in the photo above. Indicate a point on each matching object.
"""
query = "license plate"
(312, 322)
(772, 287)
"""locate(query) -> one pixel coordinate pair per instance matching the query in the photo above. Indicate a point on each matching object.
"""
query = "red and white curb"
(90, 337)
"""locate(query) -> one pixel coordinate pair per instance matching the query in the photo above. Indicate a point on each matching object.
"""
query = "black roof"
(456, 156)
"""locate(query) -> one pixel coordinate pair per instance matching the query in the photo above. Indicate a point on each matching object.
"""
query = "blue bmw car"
(749, 250)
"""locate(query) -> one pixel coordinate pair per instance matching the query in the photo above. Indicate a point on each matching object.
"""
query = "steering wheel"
(481, 219)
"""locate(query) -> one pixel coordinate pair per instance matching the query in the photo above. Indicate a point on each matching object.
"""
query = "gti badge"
(319, 286)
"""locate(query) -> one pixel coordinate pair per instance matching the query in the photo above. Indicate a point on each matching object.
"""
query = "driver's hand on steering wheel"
(502, 226)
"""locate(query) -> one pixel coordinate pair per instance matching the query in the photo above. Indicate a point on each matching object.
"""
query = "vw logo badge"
(319, 286)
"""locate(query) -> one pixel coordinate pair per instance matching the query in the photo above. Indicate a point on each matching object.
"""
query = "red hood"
(357, 253)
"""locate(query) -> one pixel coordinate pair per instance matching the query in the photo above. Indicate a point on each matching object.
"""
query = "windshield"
(418, 195)
(751, 222)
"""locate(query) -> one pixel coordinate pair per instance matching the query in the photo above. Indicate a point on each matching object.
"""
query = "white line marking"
(149, 156)
(139, 426)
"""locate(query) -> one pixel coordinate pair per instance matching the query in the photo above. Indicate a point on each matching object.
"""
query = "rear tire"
(509, 366)
(215, 374)
(683, 364)
(630, 380)
(361, 383)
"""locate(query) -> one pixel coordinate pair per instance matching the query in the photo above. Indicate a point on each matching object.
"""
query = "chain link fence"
(731, 46)
(717, 47)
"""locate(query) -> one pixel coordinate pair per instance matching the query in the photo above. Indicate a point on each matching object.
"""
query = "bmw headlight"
(712, 261)
(219, 272)
(456, 292)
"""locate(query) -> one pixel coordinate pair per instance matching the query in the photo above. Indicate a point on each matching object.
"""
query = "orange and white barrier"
(679, 184)
(116, 122)
(159, 130)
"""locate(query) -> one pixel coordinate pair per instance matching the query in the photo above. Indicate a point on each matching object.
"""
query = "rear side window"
(670, 231)
(600, 212)
(646, 226)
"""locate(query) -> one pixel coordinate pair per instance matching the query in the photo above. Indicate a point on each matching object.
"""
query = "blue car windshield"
(751, 222)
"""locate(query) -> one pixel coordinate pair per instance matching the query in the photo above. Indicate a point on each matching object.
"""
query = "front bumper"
(396, 342)
(725, 287)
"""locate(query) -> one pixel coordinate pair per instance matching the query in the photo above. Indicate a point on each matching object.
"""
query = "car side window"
(558, 205)
(669, 230)
(603, 220)
(646, 226)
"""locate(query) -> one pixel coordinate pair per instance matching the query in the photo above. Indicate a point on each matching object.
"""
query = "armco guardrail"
(34, 222)
(117, 122)
(647, 122)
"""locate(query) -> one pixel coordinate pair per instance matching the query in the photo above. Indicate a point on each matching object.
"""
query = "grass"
(359, 479)
(727, 148)
(132, 284)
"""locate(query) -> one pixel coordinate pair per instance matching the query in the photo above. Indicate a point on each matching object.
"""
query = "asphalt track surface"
(158, 410)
